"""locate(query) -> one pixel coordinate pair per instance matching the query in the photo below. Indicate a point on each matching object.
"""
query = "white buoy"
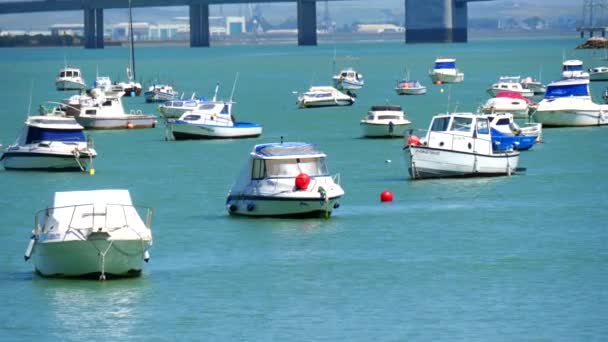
(30, 248)
(388, 161)
(146, 256)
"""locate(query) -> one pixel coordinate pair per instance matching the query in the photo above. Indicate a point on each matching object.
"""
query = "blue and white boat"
(285, 180)
(50, 143)
(573, 68)
(445, 71)
(324, 96)
(508, 135)
(212, 120)
(176, 108)
(569, 103)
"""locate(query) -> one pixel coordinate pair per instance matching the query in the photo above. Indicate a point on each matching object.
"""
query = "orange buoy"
(386, 196)
(130, 125)
(438, 82)
(302, 181)
(413, 140)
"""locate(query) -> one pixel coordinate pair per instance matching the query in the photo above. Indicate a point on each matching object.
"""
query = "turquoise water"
(490, 259)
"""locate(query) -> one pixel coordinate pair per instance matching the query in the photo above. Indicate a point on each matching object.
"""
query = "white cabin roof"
(53, 122)
(572, 62)
(288, 150)
(97, 197)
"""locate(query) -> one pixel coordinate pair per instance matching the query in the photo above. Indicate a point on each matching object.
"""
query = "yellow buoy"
(92, 172)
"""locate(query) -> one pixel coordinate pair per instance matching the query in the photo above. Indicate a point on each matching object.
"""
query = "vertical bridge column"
(307, 22)
(93, 28)
(429, 21)
(199, 25)
(461, 22)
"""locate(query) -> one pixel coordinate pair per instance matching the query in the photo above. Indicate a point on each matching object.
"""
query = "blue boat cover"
(45, 134)
(502, 142)
(565, 90)
(445, 65)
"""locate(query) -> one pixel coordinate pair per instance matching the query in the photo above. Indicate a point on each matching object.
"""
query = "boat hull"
(347, 85)
(525, 92)
(377, 130)
(571, 117)
(119, 122)
(181, 131)
(69, 85)
(45, 161)
(277, 206)
(599, 76)
(424, 162)
(410, 91)
(328, 103)
(158, 97)
(447, 77)
(124, 258)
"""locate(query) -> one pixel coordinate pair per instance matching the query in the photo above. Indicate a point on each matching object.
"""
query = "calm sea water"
(511, 258)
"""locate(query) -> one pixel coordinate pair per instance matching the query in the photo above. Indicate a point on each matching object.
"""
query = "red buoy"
(386, 196)
(302, 181)
(438, 82)
(413, 140)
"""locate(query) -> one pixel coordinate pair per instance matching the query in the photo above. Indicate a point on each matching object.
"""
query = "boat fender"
(250, 207)
(336, 205)
(413, 140)
(146, 256)
(469, 146)
(233, 208)
(323, 194)
(302, 181)
(30, 248)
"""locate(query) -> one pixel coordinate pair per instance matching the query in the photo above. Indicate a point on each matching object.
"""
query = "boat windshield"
(445, 65)
(440, 124)
(555, 91)
(482, 126)
(36, 134)
(461, 124)
(573, 68)
(288, 168)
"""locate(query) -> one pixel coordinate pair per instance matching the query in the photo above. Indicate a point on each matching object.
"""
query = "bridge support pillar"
(93, 28)
(307, 22)
(199, 25)
(429, 21)
(460, 20)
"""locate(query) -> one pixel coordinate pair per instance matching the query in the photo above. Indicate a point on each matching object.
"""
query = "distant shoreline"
(268, 39)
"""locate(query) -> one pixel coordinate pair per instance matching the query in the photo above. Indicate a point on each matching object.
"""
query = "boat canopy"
(566, 89)
(386, 108)
(35, 134)
(445, 65)
(286, 149)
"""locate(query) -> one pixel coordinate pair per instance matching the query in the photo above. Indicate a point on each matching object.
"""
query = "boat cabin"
(445, 63)
(464, 132)
(287, 160)
(39, 129)
(350, 74)
(572, 65)
(69, 72)
(385, 113)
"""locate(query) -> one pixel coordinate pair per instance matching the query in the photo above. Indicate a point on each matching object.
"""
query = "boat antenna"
(236, 77)
(449, 98)
(29, 106)
(333, 66)
(217, 87)
(132, 48)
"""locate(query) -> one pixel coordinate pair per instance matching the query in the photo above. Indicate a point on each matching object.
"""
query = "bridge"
(425, 20)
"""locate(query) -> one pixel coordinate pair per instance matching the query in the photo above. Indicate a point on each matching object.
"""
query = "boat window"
(175, 104)
(573, 68)
(107, 103)
(504, 121)
(293, 167)
(191, 117)
(440, 124)
(207, 106)
(504, 86)
(445, 65)
(75, 74)
(68, 73)
(91, 111)
(189, 104)
(461, 124)
(388, 117)
(515, 103)
(35, 134)
(258, 170)
(224, 110)
(62, 74)
(482, 126)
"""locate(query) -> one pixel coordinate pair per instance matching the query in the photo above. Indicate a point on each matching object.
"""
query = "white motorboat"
(569, 103)
(160, 93)
(445, 71)
(510, 83)
(410, 87)
(69, 78)
(598, 73)
(285, 180)
(348, 79)
(573, 68)
(458, 145)
(324, 96)
(536, 86)
(96, 233)
(100, 110)
(384, 121)
(176, 108)
(509, 102)
(212, 120)
(52, 143)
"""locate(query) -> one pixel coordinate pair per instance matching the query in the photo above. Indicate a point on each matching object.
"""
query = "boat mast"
(236, 77)
(131, 75)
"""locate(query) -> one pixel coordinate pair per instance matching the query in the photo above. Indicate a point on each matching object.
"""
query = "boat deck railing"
(41, 218)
